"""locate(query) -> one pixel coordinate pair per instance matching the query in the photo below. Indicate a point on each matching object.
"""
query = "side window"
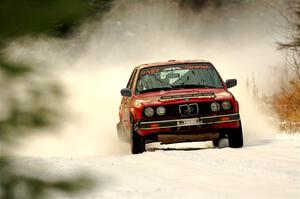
(130, 82)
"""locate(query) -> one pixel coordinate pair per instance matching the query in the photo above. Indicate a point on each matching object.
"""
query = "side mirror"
(126, 92)
(230, 83)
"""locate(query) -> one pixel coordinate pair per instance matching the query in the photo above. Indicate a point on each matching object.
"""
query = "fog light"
(226, 105)
(161, 110)
(149, 112)
(215, 106)
(154, 126)
(225, 118)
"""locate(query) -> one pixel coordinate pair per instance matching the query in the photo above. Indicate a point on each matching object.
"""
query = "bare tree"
(292, 45)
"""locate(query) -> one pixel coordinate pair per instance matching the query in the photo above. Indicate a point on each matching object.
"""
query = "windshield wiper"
(157, 89)
(197, 86)
(178, 87)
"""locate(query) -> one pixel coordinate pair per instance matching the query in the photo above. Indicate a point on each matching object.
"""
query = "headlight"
(226, 105)
(149, 112)
(161, 110)
(215, 106)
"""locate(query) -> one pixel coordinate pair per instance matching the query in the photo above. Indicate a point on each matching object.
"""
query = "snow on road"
(268, 169)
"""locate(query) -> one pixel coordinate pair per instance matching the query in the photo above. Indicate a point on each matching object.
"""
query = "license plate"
(188, 122)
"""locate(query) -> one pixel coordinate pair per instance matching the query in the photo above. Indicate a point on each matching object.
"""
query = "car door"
(125, 104)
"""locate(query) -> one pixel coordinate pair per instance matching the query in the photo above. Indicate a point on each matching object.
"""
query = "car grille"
(181, 110)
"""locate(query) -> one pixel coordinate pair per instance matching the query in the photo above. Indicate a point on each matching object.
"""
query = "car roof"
(171, 62)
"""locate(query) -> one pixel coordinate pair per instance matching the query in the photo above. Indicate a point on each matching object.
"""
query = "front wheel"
(235, 137)
(137, 142)
(216, 142)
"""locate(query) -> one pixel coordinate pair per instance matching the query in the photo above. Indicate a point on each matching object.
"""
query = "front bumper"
(196, 121)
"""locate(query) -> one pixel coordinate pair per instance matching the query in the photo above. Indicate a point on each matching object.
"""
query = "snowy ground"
(268, 169)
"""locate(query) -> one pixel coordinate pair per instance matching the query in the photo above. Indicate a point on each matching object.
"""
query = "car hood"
(156, 98)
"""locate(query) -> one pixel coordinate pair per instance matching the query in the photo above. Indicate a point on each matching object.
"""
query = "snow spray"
(97, 61)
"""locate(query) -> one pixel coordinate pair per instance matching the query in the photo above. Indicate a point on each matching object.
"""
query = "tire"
(137, 142)
(216, 142)
(235, 138)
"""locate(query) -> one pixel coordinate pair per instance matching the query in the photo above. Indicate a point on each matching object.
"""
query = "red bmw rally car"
(178, 101)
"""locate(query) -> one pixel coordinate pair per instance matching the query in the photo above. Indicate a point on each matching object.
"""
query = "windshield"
(197, 75)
